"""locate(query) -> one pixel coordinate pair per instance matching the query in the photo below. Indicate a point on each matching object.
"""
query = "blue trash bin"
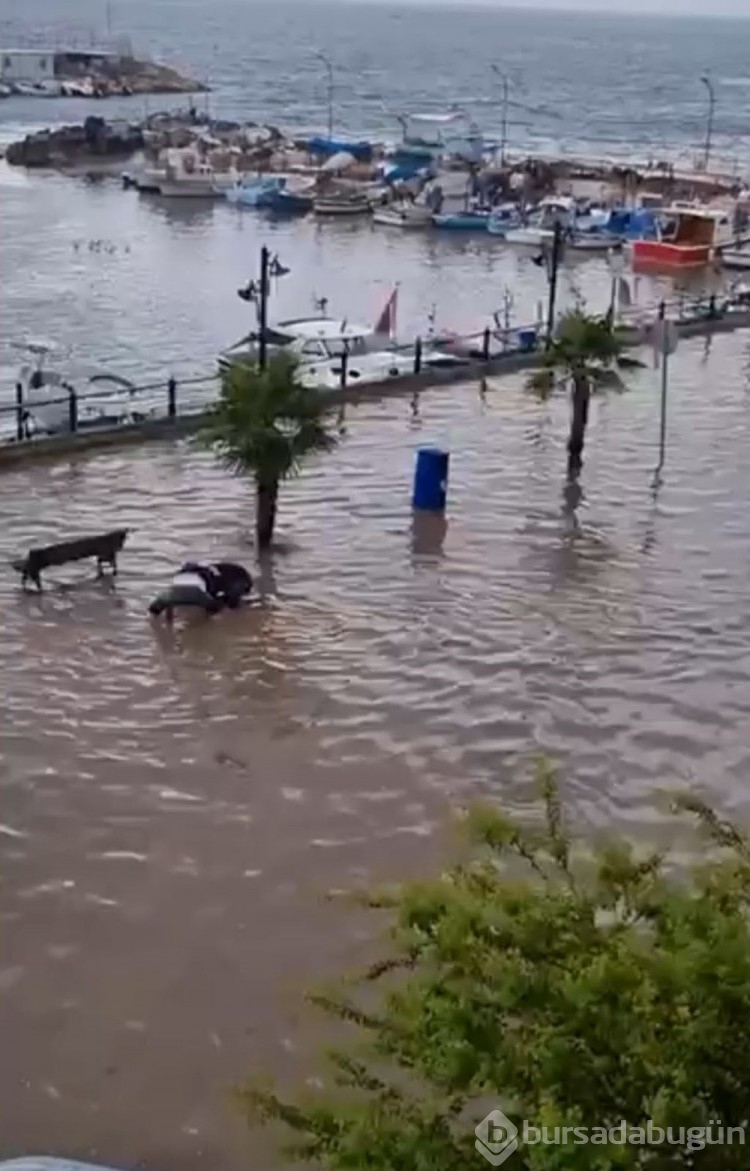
(527, 340)
(430, 480)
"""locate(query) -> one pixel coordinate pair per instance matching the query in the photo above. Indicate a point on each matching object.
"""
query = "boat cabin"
(692, 226)
(556, 209)
(318, 339)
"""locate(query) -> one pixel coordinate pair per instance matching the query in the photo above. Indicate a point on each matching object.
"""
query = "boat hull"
(461, 222)
(349, 210)
(662, 254)
(531, 237)
(395, 219)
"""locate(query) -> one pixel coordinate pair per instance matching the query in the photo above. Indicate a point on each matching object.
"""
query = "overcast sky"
(707, 8)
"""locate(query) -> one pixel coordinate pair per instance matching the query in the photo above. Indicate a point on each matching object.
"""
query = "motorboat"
(553, 212)
(46, 389)
(403, 215)
(503, 219)
(691, 235)
(322, 345)
(342, 203)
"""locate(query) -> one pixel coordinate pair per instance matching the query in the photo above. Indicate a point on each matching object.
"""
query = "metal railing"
(69, 412)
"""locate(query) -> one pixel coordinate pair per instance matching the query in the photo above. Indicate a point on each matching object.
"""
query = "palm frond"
(542, 382)
(587, 346)
(265, 421)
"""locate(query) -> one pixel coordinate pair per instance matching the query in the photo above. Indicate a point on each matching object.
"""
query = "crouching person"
(209, 587)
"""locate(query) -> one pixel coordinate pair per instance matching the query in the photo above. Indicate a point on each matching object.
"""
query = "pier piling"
(172, 398)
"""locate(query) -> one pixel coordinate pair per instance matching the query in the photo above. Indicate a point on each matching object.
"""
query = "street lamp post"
(258, 293)
(329, 68)
(710, 125)
(504, 126)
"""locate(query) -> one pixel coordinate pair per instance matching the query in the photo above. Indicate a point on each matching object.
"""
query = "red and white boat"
(688, 238)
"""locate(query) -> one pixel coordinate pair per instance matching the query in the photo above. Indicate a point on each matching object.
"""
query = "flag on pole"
(386, 323)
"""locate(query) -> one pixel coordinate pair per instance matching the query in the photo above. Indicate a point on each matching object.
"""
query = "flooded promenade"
(176, 806)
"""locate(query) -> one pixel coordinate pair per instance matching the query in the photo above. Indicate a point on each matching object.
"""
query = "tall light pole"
(329, 67)
(710, 126)
(504, 127)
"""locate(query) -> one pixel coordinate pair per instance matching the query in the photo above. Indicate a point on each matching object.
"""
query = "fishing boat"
(342, 204)
(689, 238)
(189, 176)
(552, 212)
(469, 220)
(403, 215)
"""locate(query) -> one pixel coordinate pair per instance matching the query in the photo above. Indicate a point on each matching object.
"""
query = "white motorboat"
(321, 344)
(46, 391)
(552, 212)
(403, 215)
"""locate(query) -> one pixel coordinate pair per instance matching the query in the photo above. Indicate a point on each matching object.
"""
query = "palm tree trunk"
(267, 494)
(579, 417)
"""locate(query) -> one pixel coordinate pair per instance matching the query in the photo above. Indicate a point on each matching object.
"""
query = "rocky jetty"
(67, 146)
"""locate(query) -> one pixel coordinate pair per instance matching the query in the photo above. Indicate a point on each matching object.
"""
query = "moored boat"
(463, 221)
(342, 204)
(403, 215)
(554, 211)
(689, 239)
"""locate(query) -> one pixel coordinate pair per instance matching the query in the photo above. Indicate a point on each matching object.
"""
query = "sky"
(705, 8)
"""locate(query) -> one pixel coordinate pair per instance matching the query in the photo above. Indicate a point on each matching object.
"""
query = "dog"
(209, 586)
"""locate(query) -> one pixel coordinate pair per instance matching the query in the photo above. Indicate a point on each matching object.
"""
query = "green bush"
(565, 990)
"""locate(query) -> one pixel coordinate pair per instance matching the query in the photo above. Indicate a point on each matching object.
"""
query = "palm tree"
(265, 424)
(587, 354)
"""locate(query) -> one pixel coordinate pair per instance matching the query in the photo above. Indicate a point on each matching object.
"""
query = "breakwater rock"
(73, 145)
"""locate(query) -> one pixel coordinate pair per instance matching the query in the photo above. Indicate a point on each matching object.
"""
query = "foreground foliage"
(565, 990)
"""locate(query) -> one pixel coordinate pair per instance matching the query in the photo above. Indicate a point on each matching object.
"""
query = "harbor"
(409, 201)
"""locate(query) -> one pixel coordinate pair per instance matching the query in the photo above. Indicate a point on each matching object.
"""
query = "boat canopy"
(361, 151)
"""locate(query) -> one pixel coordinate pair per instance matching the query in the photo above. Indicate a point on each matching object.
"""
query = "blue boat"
(361, 151)
(462, 221)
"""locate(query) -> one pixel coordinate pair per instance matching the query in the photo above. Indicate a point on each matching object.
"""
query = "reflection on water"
(176, 801)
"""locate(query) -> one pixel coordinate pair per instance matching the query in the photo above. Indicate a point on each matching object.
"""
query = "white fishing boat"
(403, 215)
(188, 176)
(558, 210)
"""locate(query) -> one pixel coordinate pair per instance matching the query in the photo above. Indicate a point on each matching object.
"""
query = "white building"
(27, 64)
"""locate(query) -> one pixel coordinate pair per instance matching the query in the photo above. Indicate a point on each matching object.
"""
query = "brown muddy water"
(176, 805)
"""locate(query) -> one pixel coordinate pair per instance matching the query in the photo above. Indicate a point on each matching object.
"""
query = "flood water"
(176, 806)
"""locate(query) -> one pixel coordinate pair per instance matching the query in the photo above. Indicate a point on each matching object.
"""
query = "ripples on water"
(174, 804)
